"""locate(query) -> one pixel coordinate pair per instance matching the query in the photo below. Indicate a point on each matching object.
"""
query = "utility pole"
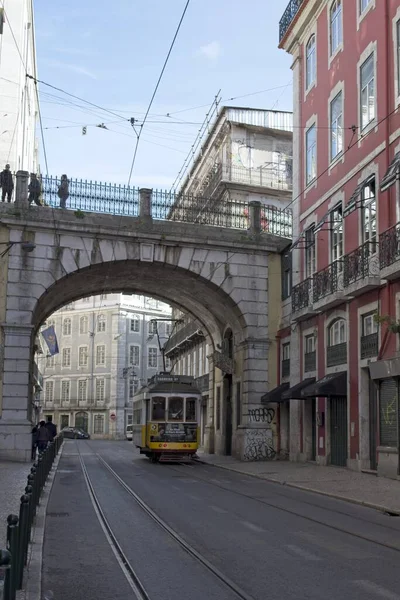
(161, 347)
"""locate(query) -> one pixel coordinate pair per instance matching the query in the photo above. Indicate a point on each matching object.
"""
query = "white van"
(129, 432)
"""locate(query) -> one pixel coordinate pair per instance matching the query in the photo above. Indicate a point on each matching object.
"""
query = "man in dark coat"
(34, 189)
(51, 428)
(43, 437)
(6, 184)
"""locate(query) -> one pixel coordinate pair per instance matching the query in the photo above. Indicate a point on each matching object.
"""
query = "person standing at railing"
(63, 191)
(34, 189)
(6, 184)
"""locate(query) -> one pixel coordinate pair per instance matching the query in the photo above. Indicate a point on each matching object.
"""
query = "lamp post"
(25, 245)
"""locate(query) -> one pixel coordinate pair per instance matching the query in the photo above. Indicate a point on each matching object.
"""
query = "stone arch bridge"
(226, 276)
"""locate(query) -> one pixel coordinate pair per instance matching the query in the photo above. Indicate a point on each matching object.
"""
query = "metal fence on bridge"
(107, 198)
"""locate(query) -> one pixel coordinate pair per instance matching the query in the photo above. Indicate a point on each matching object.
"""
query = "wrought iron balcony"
(361, 269)
(203, 382)
(291, 11)
(184, 338)
(336, 355)
(328, 282)
(389, 252)
(369, 345)
(310, 361)
(285, 367)
(301, 295)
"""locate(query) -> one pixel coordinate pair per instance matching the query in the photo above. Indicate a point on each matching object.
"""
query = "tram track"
(126, 566)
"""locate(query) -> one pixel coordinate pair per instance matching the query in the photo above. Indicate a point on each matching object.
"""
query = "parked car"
(75, 433)
(129, 432)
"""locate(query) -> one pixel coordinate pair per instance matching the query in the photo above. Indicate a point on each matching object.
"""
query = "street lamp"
(26, 246)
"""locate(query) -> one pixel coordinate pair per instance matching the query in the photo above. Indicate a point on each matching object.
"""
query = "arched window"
(311, 62)
(337, 332)
(336, 36)
(101, 323)
(67, 327)
(83, 325)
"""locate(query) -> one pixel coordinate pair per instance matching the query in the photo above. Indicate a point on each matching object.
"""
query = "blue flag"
(49, 336)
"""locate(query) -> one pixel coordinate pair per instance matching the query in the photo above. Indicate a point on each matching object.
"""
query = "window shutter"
(388, 402)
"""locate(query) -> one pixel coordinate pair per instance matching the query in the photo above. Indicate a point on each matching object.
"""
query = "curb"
(32, 588)
(378, 507)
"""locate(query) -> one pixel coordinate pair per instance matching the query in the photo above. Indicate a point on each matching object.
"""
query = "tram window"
(137, 416)
(175, 409)
(158, 409)
(191, 409)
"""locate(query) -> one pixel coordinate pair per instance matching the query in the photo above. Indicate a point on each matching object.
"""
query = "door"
(82, 421)
(338, 430)
(64, 421)
(228, 413)
(313, 430)
(373, 421)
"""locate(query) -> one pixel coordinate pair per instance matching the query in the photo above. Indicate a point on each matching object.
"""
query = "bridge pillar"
(21, 189)
(145, 198)
(255, 216)
(209, 431)
(15, 425)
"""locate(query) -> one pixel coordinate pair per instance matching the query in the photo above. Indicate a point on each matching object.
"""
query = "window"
(65, 390)
(152, 327)
(368, 216)
(367, 100)
(168, 363)
(130, 420)
(309, 344)
(337, 333)
(133, 387)
(369, 325)
(101, 324)
(103, 296)
(310, 252)
(311, 154)
(363, 5)
(158, 412)
(218, 408)
(134, 355)
(98, 426)
(168, 328)
(337, 125)
(336, 25)
(100, 390)
(50, 361)
(83, 325)
(152, 357)
(191, 409)
(100, 355)
(83, 356)
(398, 55)
(135, 324)
(67, 327)
(87, 299)
(66, 357)
(175, 409)
(286, 270)
(286, 351)
(336, 227)
(82, 390)
(49, 391)
(311, 62)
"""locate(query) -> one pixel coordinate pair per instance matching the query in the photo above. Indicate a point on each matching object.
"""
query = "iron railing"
(301, 295)
(310, 361)
(369, 345)
(186, 335)
(291, 11)
(285, 367)
(359, 264)
(19, 527)
(389, 246)
(327, 281)
(203, 382)
(336, 355)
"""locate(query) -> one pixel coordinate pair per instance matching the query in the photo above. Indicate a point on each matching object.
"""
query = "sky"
(111, 54)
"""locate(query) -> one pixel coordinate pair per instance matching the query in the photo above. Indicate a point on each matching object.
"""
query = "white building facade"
(18, 98)
(108, 348)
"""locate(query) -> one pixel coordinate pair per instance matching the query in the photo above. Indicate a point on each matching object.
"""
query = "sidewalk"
(13, 479)
(360, 488)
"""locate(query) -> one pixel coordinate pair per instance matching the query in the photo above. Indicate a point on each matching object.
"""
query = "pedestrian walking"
(51, 428)
(34, 441)
(6, 184)
(63, 191)
(43, 437)
(34, 189)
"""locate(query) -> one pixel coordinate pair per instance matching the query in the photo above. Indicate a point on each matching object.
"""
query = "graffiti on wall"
(259, 445)
(261, 415)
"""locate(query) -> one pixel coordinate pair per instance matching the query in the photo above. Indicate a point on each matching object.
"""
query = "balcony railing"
(360, 263)
(336, 355)
(285, 367)
(310, 361)
(291, 11)
(389, 246)
(185, 336)
(301, 295)
(369, 345)
(327, 281)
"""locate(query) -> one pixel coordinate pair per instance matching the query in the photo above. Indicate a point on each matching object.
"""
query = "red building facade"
(342, 392)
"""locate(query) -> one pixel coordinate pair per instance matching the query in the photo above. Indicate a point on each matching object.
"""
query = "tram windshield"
(175, 408)
(191, 409)
(158, 412)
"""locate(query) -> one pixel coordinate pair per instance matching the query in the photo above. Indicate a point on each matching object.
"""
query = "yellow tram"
(165, 418)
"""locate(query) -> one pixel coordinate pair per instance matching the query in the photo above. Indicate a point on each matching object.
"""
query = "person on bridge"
(63, 191)
(6, 184)
(51, 428)
(34, 189)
